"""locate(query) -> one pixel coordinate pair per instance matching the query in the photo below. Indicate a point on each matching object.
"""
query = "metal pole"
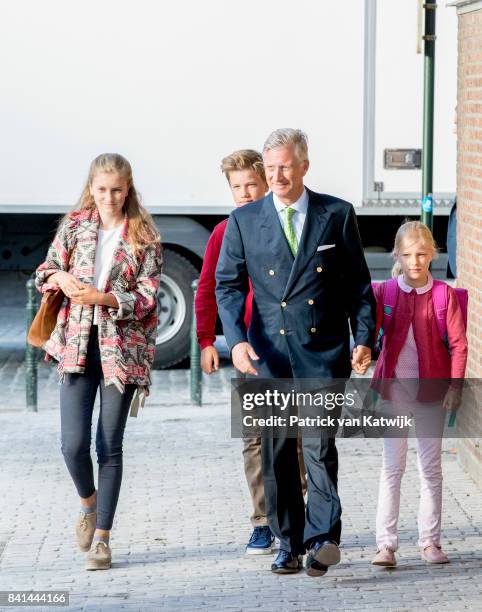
(428, 106)
(196, 373)
(31, 351)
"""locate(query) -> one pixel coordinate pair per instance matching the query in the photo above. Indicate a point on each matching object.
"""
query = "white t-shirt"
(107, 242)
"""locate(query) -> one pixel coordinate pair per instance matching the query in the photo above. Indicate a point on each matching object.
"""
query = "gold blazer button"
(311, 302)
(312, 330)
(271, 272)
(319, 269)
(282, 332)
(284, 304)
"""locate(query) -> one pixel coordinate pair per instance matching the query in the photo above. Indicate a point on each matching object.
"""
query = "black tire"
(175, 310)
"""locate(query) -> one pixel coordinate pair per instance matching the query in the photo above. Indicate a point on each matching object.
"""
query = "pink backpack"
(440, 302)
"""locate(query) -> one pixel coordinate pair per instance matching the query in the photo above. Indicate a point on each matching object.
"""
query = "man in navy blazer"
(310, 280)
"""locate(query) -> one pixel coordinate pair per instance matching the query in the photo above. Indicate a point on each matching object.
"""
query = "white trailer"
(176, 86)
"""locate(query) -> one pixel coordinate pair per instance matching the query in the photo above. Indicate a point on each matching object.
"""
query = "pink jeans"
(429, 459)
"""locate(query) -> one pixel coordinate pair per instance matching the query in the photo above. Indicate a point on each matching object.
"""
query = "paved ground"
(182, 521)
(182, 525)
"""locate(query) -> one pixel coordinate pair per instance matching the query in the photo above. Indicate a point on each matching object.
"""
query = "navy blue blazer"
(301, 305)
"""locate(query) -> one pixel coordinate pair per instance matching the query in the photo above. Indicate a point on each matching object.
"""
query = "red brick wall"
(469, 210)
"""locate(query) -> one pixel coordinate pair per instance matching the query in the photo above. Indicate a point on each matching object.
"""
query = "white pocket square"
(324, 247)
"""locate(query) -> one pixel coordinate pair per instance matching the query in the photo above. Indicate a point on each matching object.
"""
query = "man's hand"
(361, 359)
(209, 360)
(452, 399)
(86, 294)
(241, 355)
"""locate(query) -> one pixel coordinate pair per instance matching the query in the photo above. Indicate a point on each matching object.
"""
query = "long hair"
(416, 230)
(142, 230)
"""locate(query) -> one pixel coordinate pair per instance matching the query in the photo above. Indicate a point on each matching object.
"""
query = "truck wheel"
(175, 307)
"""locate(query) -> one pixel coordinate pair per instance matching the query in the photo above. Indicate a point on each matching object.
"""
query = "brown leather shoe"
(84, 530)
(320, 557)
(99, 556)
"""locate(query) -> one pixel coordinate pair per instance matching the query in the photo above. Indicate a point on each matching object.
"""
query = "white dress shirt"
(298, 219)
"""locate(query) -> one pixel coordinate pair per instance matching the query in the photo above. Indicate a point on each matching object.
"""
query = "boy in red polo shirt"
(244, 171)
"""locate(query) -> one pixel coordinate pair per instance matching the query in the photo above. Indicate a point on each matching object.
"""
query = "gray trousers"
(295, 529)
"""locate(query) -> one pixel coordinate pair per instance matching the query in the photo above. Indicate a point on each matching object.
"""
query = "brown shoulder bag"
(46, 318)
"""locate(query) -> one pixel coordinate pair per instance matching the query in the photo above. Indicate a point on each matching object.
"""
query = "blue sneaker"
(261, 542)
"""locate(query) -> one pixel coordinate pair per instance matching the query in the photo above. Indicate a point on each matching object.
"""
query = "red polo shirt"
(205, 302)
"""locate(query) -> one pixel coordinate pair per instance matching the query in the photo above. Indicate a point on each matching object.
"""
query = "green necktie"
(290, 230)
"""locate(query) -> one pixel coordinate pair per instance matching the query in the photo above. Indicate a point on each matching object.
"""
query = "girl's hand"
(361, 359)
(361, 368)
(67, 282)
(452, 399)
(86, 294)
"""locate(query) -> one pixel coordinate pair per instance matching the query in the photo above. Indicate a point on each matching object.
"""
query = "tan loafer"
(84, 530)
(385, 557)
(99, 557)
(434, 554)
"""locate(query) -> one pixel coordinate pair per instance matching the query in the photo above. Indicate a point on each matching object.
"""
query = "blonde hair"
(284, 137)
(417, 230)
(245, 159)
(142, 229)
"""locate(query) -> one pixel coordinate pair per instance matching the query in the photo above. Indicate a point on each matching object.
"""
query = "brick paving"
(182, 521)
(182, 524)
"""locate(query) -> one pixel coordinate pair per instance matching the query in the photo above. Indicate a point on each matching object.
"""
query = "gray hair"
(284, 137)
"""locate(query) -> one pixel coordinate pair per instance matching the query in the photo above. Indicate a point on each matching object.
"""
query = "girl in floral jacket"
(106, 258)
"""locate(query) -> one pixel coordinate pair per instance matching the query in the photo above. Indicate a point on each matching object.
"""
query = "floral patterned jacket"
(127, 335)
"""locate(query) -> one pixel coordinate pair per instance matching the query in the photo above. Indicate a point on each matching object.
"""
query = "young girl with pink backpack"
(421, 335)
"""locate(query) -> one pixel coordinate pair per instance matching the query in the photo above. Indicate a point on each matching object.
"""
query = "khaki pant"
(254, 478)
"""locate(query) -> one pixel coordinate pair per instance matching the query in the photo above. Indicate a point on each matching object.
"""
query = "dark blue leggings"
(77, 398)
